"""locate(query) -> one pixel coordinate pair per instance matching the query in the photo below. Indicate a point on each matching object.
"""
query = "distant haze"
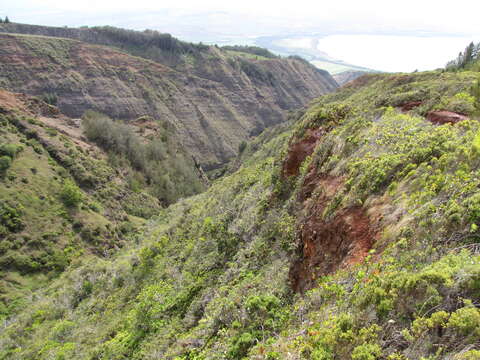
(394, 53)
(381, 35)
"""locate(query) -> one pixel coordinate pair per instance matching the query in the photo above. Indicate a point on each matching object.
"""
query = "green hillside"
(65, 195)
(349, 233)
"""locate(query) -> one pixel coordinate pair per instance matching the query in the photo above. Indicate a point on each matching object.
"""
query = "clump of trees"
(147, 39)
(6, 21)
(157, 165)
(468, 59)
(256, 72)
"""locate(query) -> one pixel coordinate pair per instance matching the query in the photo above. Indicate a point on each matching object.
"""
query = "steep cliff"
(215, 98)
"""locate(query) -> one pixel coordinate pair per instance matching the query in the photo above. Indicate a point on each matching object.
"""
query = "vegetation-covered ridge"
(71, 190)
(150, 44)
(214, 98)
(350, 234)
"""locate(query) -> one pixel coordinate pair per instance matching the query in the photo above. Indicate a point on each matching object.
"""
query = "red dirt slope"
(445, 117)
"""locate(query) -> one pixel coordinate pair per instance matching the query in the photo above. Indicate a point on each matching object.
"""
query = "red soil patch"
(10, 101)
(327, 245)
(299, 151)
(410, 105)
(29, 104)
(445, 117)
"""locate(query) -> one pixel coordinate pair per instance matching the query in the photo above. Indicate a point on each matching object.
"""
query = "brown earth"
(214, 104)
(332, 243)
(327, 244)
(17, 101)
(46, 114)
(445, 117)
(410, 105)
(300, 150)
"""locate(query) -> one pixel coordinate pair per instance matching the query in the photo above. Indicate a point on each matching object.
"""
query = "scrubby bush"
(462, 103)
(10, 149)
(11, 216)
(242, 146)
(159, 166)
(5, 163)
(70, 194)
(50, 98)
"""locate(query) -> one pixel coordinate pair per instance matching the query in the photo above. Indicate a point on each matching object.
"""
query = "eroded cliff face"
(347, 76)
(215, 100)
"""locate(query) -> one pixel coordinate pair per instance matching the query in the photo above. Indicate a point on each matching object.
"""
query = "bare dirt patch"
(410, 105)
(327, 244)
(445, 117)
(300, 150)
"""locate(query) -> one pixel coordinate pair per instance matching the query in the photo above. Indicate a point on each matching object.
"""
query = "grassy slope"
(41, 234)
(210, 279)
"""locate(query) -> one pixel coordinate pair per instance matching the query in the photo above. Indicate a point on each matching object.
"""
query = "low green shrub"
(71, 194)
(5, 163)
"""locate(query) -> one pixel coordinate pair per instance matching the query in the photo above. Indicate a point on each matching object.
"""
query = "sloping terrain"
(347, 76)
(64, 195)
(351, 234)
(214, 98)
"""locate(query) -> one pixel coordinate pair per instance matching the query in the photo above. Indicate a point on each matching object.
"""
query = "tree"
(7, 20)
(1, 21)
(468, 56)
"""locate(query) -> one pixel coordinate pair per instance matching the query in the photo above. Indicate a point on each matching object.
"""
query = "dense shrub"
(5, 163)
(256, 72)
(50, 98)
(10, 149)
(11, 217)
(70, 194)
(241, 147)
(159, 165)
(147, 39)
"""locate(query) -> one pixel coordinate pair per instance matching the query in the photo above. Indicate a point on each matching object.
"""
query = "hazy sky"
(385, 35)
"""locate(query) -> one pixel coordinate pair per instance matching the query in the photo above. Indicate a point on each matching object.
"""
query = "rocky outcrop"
(215, 100)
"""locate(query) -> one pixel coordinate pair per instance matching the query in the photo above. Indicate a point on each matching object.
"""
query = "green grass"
(51, 233)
